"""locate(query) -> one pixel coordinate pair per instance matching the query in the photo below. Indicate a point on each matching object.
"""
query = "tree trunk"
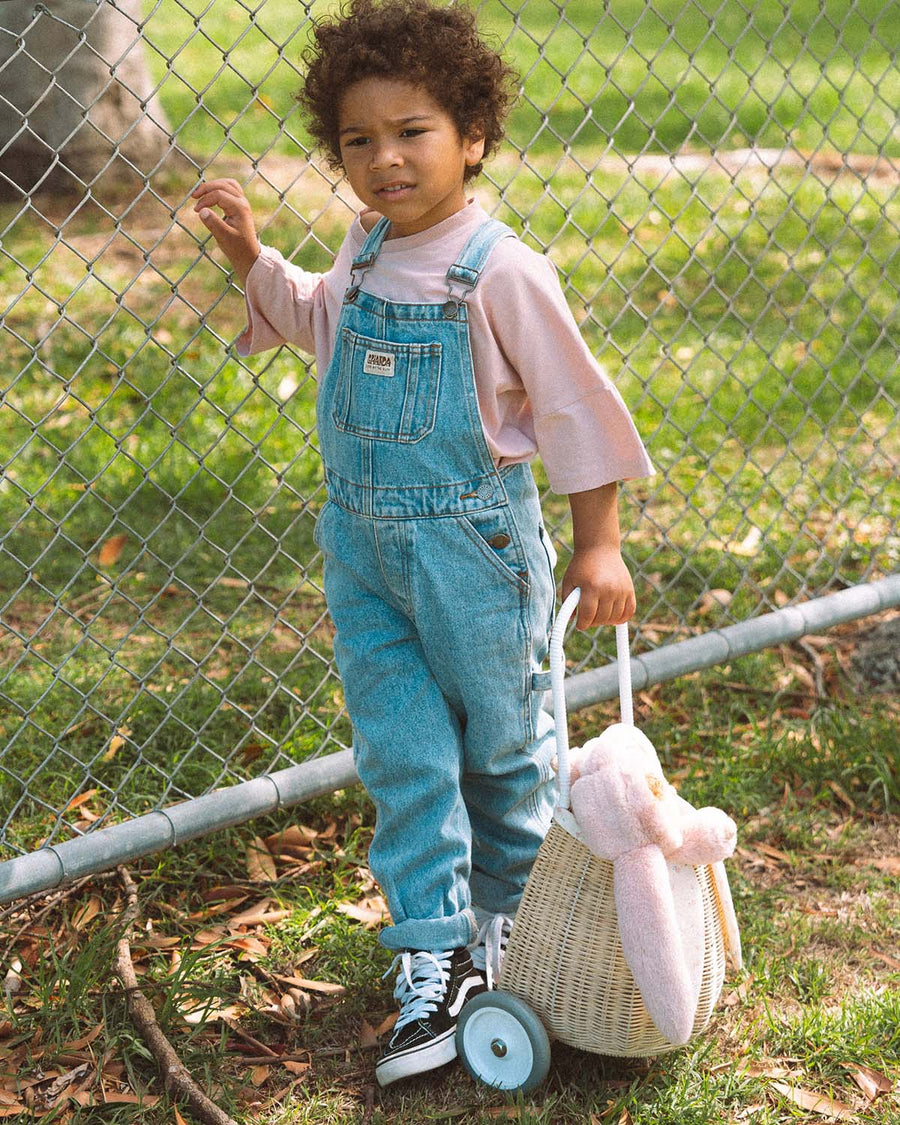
(76, 108)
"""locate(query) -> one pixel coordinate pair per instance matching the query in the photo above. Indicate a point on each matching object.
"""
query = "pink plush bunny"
(628, 813)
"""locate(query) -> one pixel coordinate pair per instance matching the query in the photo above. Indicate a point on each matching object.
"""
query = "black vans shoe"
(431, 989)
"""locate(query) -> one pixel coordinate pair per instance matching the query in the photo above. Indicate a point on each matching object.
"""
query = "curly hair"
(415, 41)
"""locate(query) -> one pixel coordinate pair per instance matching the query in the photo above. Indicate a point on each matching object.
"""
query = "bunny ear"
(651, 942)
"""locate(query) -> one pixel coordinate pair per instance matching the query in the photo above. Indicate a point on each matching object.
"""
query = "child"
(447, 359)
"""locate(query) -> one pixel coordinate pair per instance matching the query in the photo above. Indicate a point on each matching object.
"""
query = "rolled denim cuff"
(431, 933)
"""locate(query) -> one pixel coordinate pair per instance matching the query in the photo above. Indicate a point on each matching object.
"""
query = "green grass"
(653, 77)
(750, 322)
(814, 998)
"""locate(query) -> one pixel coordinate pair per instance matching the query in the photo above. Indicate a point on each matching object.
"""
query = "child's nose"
(385, 155)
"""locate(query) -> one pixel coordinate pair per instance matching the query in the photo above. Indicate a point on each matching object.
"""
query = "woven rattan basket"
(564, 956)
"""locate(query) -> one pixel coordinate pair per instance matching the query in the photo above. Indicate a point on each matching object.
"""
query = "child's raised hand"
(234, 230)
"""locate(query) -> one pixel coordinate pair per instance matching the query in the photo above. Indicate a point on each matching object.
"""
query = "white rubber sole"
(417, 1060)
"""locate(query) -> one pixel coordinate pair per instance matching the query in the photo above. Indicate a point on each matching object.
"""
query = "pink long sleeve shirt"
(539, 388)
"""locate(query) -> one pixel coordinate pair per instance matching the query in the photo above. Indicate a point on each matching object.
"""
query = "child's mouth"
(394, 191)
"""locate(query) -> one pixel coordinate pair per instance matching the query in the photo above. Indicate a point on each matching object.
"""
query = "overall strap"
(466, 270)
(367, 255)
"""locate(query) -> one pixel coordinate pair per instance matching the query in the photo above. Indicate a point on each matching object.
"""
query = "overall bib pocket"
(386, 391)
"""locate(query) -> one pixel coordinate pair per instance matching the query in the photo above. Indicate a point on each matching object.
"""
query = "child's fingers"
(587, 609)
(604, 609)
(231, 204)
(230, 186)
(218, 226)
(233, 240)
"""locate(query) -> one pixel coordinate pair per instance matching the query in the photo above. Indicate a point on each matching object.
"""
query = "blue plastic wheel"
(502, 1043)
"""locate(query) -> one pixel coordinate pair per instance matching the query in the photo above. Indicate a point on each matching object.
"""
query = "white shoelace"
(490, 946)
(421, 983)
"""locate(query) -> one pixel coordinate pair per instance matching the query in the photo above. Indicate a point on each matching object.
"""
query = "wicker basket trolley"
(564, 975)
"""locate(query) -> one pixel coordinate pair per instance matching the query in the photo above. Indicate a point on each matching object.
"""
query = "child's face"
(403, 154)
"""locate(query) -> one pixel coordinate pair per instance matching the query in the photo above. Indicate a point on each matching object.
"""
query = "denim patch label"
(379, 363)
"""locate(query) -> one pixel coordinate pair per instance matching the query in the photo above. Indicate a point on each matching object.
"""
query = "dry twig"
(176, 1078)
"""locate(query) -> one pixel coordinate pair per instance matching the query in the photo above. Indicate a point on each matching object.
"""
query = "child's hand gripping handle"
(557, 682)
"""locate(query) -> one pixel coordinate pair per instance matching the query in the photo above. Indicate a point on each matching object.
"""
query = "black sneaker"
(432, 989)
(489, 947)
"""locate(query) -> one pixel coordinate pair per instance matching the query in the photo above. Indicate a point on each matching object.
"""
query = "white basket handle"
(557, 683)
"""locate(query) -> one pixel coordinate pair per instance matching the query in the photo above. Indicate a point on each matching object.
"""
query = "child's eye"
(411, 132)
(355, 142)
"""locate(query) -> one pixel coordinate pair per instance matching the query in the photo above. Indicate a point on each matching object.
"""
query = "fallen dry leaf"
(259, 1074)
(841, 793)
(302, 1000)
(308, 955)
(750, 1112)
(370, 911)
(80, 1044)
(229, 891)
(746, 548)
(260, 862)
(202, 938)
(314, 985)
(207, 1015)
(766, 1070)
(269, 917)
(107, 1097)
(872, 1082)
(289, 1007)
(76, 802)
(815, 1103)
(295, 1067)
(295, 835)
(143, 942)
(112, 550)
(250, 948)
(251, 915)
(890, 961)
(87, 913)
(713, 599)
(367, 1036)
(605, 1115)
(12, 982)
(738, 994)
(116, 743)
(387, 1024)
(331, 830)
(889, 864)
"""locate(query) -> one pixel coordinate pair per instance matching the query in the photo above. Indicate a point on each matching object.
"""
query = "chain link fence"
(718, 185)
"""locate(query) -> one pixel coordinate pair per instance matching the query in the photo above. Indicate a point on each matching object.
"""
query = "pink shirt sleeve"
(582, 427)
(283, 305)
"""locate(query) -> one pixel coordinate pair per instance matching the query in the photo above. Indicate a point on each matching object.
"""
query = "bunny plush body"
(628, 814)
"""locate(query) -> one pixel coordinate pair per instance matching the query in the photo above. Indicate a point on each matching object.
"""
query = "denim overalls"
(439, 580)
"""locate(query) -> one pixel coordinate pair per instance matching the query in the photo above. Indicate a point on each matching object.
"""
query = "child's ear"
(474, 150)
